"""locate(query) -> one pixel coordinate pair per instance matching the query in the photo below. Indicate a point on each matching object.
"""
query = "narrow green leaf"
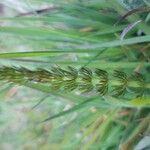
(75, 108)
(130, 41)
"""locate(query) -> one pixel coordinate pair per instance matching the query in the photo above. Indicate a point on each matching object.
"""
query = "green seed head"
(83, 80)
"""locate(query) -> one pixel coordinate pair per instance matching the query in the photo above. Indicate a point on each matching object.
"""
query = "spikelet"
(83, 79)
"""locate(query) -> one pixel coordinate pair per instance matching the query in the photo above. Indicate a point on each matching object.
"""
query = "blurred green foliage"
(78, 33)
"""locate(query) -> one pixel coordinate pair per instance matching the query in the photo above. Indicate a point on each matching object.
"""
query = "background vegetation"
(79, 33)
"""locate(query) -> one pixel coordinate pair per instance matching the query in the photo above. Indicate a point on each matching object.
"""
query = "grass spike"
(83, 79)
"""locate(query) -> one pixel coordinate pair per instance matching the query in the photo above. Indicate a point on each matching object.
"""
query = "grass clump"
(73, 80)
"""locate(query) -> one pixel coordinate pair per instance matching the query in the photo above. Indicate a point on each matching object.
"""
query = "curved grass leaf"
(75, 108)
